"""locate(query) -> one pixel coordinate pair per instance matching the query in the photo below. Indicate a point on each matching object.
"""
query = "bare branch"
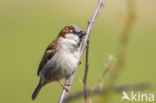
(117, 89)
(123, 43)
(89, 28)
(108, 66)
(86, 73)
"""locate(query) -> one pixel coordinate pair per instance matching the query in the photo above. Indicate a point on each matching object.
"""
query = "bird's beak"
(82, 33)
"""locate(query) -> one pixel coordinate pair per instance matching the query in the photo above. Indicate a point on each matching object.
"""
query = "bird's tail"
(38, 88)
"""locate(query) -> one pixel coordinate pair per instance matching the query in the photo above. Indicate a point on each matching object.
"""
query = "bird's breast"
(63, 63)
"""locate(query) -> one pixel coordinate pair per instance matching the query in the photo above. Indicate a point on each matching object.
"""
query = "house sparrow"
(60, 58)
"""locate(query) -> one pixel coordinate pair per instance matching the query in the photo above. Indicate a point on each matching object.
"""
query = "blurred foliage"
(28, 26)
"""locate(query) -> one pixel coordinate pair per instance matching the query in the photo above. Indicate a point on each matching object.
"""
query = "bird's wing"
(49, 53)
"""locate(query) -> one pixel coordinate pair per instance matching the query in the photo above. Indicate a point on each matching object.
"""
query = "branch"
(123, 43)
(125, 35)
(108, 66)
(117, 89)
(86, 73)
(89, 28)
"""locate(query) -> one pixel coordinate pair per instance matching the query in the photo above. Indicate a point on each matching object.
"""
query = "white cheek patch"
(72, 37)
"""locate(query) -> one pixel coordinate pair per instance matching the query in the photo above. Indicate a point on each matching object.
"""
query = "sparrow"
(60, 58)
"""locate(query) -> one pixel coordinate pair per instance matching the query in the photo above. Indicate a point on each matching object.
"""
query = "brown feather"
(66, 30)
(52, 47)
(47, 55)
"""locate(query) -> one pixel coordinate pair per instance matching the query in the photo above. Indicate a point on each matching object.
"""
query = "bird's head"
(72, 32)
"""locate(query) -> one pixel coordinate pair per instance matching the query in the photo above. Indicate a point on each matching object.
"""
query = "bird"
(61, 57)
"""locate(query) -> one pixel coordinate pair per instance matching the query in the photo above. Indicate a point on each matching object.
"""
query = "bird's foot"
(64, 86)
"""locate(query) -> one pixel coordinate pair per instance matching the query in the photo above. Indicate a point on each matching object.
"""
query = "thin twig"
(108, 66)
(89, 28)
(86, 73)
(116, 89)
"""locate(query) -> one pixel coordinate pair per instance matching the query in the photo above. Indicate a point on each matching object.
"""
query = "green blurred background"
(28, 26)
